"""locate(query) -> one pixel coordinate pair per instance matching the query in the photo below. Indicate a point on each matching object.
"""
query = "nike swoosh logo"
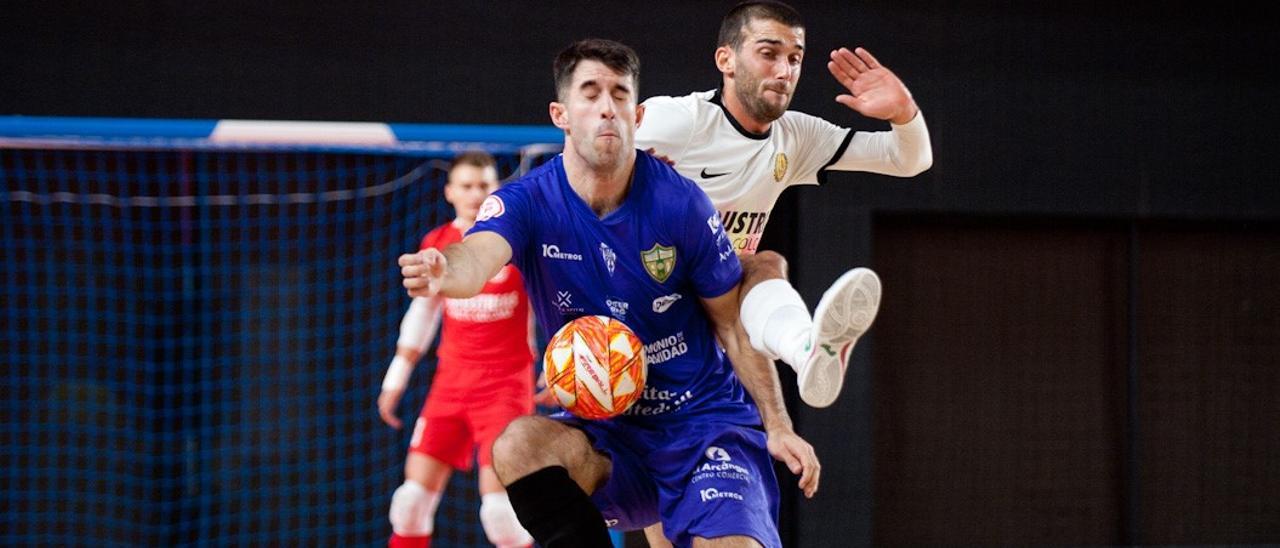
(706, 175)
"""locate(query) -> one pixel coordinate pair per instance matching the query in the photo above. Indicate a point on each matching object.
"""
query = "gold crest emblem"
(659, 261)
(779, 166)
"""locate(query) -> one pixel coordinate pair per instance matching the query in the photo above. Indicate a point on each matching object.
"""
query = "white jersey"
(744, 173)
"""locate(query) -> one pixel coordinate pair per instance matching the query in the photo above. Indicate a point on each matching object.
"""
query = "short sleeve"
(666, 127)
(507, 213)
(715, 266)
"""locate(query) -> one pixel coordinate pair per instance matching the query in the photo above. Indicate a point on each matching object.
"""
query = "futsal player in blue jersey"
(605, 229)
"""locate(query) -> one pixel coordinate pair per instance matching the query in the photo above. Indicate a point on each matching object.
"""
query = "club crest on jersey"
(779, 166)
(659, 261)
(610, 258)
(492, 207)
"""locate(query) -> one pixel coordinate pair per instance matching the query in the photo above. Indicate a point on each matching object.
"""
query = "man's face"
(599, 114)
(467, 188)
(766, 67)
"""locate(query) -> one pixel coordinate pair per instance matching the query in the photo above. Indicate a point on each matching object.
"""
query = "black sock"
(557, 512)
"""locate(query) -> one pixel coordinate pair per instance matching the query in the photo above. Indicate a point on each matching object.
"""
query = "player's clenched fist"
(423, 272)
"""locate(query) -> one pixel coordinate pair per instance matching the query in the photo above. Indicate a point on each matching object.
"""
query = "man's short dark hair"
(615, 55)
(734, 24)
(477, 158)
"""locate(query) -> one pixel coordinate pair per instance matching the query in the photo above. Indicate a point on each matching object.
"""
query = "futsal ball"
(595, 366)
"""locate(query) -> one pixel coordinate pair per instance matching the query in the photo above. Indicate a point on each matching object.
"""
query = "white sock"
(778, 322)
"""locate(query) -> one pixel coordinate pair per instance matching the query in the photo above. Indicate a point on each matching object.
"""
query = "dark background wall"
(1079, 335)
(1149, 109)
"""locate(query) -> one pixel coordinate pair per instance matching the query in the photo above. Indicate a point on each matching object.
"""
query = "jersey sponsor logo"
(779, 166)
(485, 307)
(665, 349)
(564, 302)
(659, 261)
(722, 239)
(713, 222)
(618, 308)
(750, 222)
(717, 454)
(610, 258)
(661, 304)
(711, 493)
(720, 468)
(552, 251)
(654, 401)
(744, 229)
(608, 523)
(707, 175)
(492, 207)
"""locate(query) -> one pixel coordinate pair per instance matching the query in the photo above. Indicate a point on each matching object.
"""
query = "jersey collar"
(715, 98)
(615, 216)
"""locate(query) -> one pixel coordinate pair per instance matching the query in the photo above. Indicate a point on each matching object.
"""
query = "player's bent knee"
(516, 439)
(413, 510)
(521, 448)
(499, 521)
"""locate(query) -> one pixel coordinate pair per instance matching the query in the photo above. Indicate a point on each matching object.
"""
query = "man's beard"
(754, 101)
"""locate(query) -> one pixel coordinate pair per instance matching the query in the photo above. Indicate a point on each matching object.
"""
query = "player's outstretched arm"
(760, 378)
(460, 271)
(874, 90)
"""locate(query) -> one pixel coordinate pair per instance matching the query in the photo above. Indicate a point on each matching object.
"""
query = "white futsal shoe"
(845, 312)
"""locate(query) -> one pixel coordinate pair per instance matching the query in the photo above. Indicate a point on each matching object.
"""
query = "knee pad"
(413, 510)
(500, 523)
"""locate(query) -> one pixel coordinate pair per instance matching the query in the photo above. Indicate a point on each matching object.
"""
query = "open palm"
(874, 91)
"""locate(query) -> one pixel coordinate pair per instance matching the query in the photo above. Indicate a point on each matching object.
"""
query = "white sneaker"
(845, 312)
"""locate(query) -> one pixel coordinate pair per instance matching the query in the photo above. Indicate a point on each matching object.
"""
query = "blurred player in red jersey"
(484, 378)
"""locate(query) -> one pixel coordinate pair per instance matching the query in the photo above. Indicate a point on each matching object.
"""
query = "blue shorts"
(700, 479)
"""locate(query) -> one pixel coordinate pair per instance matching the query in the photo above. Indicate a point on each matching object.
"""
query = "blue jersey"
(646, 264)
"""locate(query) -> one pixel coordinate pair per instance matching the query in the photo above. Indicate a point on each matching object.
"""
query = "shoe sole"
(858, 290)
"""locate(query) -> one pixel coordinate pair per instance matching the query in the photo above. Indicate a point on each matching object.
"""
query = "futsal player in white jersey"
(743, 147)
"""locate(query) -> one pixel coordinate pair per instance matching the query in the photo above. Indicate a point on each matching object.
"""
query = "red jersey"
(489, 330)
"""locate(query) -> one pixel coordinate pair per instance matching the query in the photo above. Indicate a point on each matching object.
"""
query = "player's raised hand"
(387, 402)
(788, 447)
(423, 272)
(874, 91)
